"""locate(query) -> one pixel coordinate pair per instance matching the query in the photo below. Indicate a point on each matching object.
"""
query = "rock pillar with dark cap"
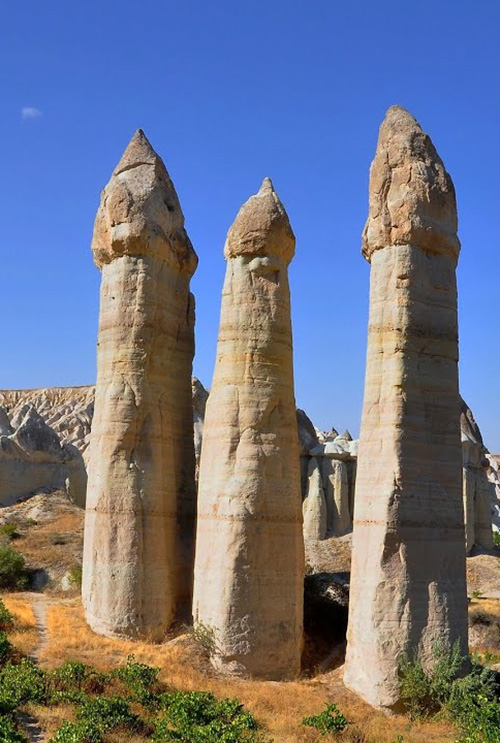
(408, 586)
(138, 547)
(249, 566)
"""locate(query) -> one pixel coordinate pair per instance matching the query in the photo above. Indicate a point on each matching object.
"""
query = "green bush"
(72, 681)
(199, 717)
(414, 686)
(12, 569)
(6, 618)
(424, 692)
(496, 538)
(21, 683)
(75, 575)
(331, 720)
(107, 713)
(139, 679)
(95, 718)
(471, 701)
(9, 530)
(77, 732)
(9, 732)
(5, 648)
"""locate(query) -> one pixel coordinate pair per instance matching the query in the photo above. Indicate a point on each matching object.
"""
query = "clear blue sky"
(229, 92)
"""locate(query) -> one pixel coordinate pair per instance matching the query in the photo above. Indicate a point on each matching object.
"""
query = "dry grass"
(50, 537)
(24, 634)
(279, 706)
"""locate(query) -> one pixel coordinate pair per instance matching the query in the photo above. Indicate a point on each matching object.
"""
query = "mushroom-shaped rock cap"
(261, 227)
(140, 213)
(412, 198)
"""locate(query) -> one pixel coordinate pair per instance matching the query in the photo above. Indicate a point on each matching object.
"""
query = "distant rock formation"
(408, 583)
(33, 458)
(249, 566)
(139, 525)
(478, 491)
(68, 410)
(328, 471)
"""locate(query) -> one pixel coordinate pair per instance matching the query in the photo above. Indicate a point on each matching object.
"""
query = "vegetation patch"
(328, 722)
(13, 572)
(471, 701)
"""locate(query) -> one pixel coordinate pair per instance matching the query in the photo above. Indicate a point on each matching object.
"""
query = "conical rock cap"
(261, 227)
(412, 198)
(140, 213)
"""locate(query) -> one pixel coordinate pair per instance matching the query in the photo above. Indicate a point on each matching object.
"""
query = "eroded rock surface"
(33, 458)
(249, 566)
(139, 524)
(478, 491)
(408, 585)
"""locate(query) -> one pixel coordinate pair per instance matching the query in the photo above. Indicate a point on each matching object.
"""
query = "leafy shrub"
(75, 575)
(331, 720)
(6, 618)
(496, 538)
(474, 705)
(107, 713)
(12, 568)
(424, 692)
(139, 678)
(447, 667)
(9, 732)
(21, 683)
(77, 732)
(414, 685)
(95, 718)
(471, 701)
(9, 530)
(199, 717)
(72, 681)
(5, 648)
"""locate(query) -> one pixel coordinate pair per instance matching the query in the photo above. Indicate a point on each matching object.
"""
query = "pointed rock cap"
(261, 227)
(412, 198)
(140, 213)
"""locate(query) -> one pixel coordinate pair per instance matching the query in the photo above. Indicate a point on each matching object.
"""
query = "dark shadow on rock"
(326, 599)
(38, 579)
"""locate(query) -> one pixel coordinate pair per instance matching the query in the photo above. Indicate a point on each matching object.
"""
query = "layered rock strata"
(408, 585)
(249, 566)
(33, 458)
(139, 522)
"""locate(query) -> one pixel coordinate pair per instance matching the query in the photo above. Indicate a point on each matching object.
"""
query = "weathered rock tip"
(261, 227)
(412, 198)
(140, 213)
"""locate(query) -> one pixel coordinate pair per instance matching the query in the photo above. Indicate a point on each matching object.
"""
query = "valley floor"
(49, 626)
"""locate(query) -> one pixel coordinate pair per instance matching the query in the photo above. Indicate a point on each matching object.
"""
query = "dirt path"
(29, 724)
(39, 604)
(31, 728)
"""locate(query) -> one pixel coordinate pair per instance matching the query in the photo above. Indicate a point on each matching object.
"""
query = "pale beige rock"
(336, 487)
(140, 501)
(249, 566)
(408, 586)
(478, 490)
(68, 410)
(314, 507)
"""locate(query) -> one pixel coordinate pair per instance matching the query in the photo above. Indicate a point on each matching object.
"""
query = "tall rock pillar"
(249, 567)
(139, 525)
(408, 587)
